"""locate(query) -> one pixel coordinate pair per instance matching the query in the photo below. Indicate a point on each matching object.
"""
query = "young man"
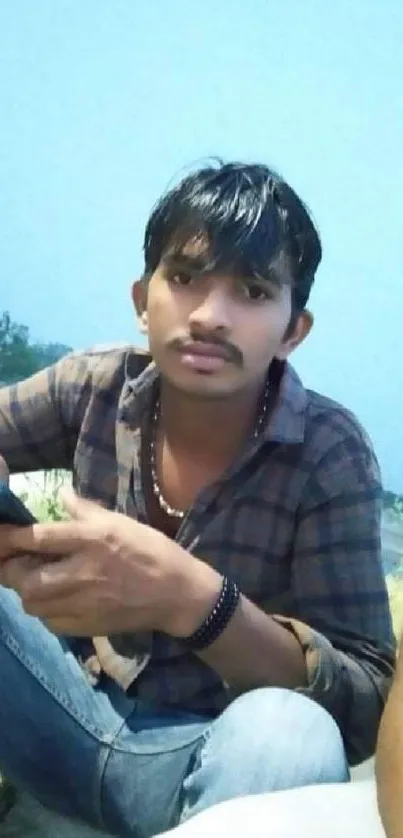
(227, 565)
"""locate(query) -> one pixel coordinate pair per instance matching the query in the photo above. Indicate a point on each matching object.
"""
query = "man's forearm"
(389, 759)
(253, 650)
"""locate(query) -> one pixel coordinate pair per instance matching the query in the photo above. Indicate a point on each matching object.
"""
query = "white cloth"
(345, 810)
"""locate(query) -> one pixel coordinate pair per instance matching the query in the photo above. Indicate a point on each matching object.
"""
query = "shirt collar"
(138, 387)
(286, 424)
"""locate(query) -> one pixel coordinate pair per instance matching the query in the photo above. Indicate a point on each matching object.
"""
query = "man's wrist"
(197, 593)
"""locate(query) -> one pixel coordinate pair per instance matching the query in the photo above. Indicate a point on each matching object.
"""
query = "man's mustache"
(231, 352)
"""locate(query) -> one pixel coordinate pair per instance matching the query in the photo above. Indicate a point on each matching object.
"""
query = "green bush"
(45, 504)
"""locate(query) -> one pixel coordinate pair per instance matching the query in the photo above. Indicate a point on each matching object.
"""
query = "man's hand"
(104, 573)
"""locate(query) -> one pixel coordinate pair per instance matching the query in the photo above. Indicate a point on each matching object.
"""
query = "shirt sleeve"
(39, 417)
(343, 617)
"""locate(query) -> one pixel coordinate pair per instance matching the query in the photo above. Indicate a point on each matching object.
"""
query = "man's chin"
(204, 385)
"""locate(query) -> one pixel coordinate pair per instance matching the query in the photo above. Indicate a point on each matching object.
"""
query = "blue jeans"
(96, 755)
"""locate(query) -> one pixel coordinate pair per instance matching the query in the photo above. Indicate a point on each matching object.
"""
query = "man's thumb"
(78, 508)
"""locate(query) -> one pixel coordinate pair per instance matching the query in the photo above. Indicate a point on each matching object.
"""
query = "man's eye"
(181, 278)
(255, 292)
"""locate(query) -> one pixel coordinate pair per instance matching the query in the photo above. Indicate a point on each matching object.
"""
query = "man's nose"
(213, 313)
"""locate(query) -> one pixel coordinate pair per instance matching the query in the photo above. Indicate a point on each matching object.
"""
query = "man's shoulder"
(104, 365)
(322, 409)
(332, 427)
(316, 420)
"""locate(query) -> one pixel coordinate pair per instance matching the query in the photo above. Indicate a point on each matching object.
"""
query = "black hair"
(247, 214)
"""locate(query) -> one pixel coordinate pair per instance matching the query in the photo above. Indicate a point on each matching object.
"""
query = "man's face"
(213, 335)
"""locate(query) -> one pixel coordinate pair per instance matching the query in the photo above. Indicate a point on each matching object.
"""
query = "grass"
(44, 503)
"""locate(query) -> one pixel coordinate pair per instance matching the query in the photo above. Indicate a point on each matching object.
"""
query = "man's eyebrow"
(271, 277)
(199, 263)
(184, 261)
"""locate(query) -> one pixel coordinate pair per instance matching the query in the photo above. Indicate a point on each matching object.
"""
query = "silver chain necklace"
(163, 504)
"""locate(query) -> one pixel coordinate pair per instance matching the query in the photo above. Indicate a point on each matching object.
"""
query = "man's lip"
(205, 350)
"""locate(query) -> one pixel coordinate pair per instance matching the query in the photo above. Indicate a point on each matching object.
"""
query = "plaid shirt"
(296, 523)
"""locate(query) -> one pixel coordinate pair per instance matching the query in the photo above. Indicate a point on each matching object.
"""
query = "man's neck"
(207, 429)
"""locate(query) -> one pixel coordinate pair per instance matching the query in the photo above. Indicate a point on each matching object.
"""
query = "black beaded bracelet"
(218, 618)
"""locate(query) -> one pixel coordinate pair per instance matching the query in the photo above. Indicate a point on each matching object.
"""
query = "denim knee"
(266, 740)
(286, 730)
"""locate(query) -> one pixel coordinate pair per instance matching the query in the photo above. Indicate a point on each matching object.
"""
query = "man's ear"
(296, 334)
(139, 297)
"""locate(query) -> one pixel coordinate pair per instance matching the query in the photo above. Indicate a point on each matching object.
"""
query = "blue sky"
(102, 102)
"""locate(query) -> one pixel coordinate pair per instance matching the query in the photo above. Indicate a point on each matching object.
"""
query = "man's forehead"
(195, 253)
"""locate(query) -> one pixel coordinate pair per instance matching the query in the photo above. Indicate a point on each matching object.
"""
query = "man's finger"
(5, 552)
(78, 508)
(65, 626)
(62, 607)
(55, 580)
(57, 538)
(14, 572)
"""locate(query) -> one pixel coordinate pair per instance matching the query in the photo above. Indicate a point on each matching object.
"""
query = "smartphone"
(12, 509)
